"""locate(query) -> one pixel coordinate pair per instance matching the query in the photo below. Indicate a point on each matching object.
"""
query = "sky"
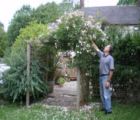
(9, 7)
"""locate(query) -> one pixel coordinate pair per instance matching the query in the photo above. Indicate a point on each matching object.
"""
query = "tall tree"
(3, 40)
(43, 14)
(51, 11)
(66, 6)
(46, 13)
(21, 18)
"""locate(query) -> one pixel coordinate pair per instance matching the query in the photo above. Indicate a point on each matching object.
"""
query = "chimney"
(138, 3)
(81, 3)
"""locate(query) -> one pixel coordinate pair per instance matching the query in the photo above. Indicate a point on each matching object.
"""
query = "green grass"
(121, 112)
(40, 112)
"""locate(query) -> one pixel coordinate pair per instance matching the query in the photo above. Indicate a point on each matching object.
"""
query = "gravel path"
(65, 96)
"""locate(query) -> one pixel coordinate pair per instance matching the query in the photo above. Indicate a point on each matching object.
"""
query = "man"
(106, 69)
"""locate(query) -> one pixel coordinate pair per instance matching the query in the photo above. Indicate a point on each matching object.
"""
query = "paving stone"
(65, 96)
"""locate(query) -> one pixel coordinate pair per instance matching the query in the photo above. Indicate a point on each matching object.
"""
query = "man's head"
(108, 49)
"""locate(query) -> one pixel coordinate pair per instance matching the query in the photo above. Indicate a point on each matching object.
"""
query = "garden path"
(65, 96)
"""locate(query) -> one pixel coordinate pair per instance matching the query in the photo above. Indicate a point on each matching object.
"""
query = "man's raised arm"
(95, 46)
(98, 51)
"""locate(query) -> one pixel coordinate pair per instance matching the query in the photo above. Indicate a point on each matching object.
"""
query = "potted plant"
(61, 81)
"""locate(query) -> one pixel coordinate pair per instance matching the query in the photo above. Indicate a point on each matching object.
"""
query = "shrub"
(127, 74)
(61, 81)
(15, 80)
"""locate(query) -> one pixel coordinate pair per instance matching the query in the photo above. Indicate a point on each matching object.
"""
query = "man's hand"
(95, 46)
(107, 84)
(110, 75)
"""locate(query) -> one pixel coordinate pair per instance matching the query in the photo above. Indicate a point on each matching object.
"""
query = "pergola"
(111, 15)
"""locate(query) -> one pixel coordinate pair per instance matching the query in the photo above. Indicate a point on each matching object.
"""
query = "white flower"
(94, 36)
(88, 51)
(77, 46)
(83, 32)
(92, 26)
(74, 25)
(87, 45)
(59, 21)
(78, 52)
(90, 37)
(80, 39)
(93, 53)
(88, 23)
(55, 45)
(87, 74)
(67, 27)
(90, 17)
(73, 54)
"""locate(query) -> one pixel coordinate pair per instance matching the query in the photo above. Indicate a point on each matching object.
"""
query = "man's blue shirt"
(106, 63)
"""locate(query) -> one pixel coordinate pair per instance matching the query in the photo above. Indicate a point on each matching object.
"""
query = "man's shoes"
(108, 112)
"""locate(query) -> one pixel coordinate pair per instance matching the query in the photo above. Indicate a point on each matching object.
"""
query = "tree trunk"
(28, 74)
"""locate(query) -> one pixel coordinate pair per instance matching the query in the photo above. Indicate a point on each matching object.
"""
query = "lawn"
(41, 112)
(121, 112)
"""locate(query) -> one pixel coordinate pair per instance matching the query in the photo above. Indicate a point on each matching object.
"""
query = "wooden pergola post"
(82, 88)
(28, 73)
(78, 88)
